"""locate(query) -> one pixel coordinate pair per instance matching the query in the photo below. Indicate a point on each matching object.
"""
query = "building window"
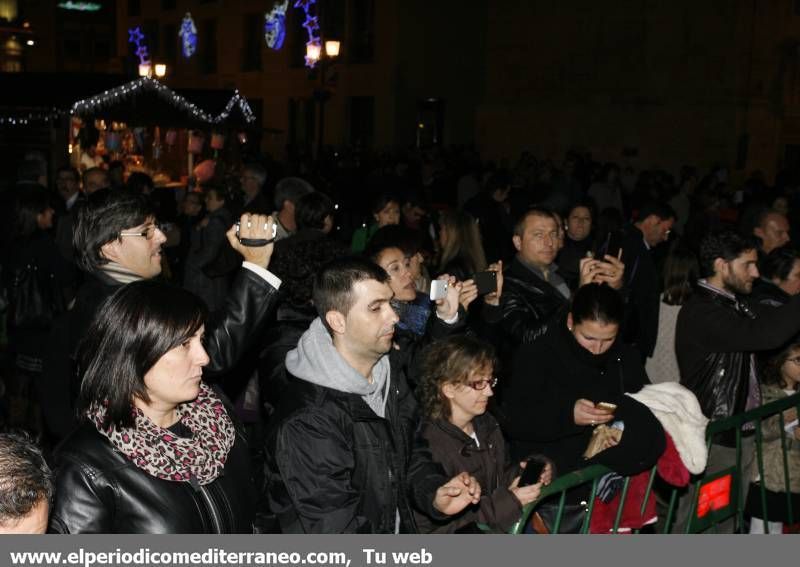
(150, 29)
(298, 36)
(134, 8)
(251, 51)
(102, 49)
(170, 42)
(208, 47)
(72, 48)
(362, 38)
(331, 16)
(362, 121)
(168, 4)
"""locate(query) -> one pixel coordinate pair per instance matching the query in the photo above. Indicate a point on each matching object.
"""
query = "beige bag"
(599, 440)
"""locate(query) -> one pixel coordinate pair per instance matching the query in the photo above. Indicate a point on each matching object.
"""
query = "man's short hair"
(25, 478)
(659, 209)
(95, 172)
(312, 209)
(291, 189)
(519, 226)
(71, 170)
(333, 286)
(725, 244)
(101, 218)
(778, 264)
(31, 170)
(256, 170)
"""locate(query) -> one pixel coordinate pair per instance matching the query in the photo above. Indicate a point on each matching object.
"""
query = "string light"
(28, 117)
(188, 34)
(275, 25)
(112, 96)
(312, 27)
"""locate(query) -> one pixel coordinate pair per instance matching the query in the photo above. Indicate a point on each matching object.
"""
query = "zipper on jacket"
(216, 523)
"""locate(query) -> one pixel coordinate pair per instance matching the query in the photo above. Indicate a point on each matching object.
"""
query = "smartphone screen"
(613, 244)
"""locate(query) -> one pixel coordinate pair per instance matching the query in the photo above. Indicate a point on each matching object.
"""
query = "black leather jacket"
(228, 334)
(99, 490)
(529, 304)
(714, 339)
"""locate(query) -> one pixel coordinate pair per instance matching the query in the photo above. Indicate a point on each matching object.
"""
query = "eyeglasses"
(481, 384)
(795, 360)
(147, 232)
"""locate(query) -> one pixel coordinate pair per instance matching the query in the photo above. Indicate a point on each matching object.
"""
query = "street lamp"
(144, 69)
(161, 70)
(321, 93)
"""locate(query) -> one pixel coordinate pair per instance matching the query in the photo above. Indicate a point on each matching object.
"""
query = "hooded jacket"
(342, 458)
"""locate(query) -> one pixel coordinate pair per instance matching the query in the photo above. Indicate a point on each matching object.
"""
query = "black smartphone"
(533, 470)
(486, 282)
(613, 244)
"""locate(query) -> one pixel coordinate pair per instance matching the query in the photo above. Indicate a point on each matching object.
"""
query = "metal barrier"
(714, 497)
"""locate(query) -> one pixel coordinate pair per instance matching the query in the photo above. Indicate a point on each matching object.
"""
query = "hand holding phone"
(486, 282)
(608, 406)
(439, 289)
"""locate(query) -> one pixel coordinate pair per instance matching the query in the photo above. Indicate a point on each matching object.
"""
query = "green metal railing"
(711, 519)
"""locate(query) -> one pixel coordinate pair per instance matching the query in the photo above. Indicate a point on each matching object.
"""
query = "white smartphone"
(439, 289)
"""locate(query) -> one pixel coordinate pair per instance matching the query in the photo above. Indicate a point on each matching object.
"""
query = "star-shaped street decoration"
(135, 35)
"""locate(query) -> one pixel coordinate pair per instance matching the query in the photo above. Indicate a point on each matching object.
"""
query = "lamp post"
(321, 94)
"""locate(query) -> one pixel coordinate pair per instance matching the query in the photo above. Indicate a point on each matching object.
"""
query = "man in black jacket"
(534, 292)
(716, 336)
(342, 459)
(641, 277)
(117, 241)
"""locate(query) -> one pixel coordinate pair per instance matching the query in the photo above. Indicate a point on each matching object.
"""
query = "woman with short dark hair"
(157, 451)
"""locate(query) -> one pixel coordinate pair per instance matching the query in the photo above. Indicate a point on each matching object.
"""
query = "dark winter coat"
(489, 464)
(550, 375)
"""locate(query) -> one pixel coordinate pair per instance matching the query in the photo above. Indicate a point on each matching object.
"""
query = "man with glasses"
(642, 281)
(118, 241)
(716, 337)
(340, 459)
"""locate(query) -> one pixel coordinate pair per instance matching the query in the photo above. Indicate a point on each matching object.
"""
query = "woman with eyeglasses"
(457, 383)
(157, 450)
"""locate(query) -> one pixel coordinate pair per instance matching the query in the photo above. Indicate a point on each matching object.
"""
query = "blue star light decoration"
(136, 37)
(275, 25)
(188, 35)
(312, 26)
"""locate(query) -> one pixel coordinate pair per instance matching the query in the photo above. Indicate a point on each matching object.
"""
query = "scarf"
(198, 459)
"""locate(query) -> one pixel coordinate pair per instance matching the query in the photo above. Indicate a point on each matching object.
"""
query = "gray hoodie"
(316, 360)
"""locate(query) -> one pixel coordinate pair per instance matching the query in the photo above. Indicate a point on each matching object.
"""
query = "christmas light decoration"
(312, 27)
(136, 37)
(80, 6)
(117, 94)
(275, 25)
(188, 34)
(24, 118)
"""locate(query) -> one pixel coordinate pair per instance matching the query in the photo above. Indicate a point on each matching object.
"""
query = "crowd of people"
(387, 345)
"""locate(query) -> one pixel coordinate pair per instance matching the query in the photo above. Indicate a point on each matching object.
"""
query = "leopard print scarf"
(162, 454)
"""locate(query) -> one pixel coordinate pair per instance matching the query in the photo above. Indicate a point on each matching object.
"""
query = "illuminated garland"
(80, 6)
(275, 25)
(188, 34)
(312, 26)
(27, 118)
(136, 37)
(126, 91)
